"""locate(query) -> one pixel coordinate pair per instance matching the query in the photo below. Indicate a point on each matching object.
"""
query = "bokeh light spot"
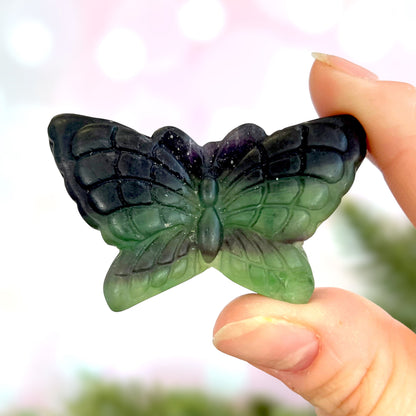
(201, 20)
(29, 41)
(314, 16)
(121, 54)
(368, 30)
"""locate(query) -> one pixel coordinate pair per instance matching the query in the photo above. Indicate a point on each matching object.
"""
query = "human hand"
(342, 353)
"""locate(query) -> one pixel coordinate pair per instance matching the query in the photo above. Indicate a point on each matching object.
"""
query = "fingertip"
(258, 340)
(344, 66)
(238, 309)
(334, 91)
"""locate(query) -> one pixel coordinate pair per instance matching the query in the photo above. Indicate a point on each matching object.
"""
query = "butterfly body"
(243, 205)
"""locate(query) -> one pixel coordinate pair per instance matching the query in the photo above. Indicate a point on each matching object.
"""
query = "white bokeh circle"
(121, 54)
(29, 41)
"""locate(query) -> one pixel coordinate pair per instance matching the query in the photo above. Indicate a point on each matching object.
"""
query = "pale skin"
(342, 353)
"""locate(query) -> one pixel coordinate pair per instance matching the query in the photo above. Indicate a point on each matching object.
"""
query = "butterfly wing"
(274, 196)
(139, 192)
(151, 266)
(277, 270)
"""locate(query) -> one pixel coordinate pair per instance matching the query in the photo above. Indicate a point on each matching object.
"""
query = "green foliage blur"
(96, 397)
(386, 253)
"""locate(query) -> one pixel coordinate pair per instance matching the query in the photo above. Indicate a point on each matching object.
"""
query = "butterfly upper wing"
(277, 194)
(108, 166)
(292, 180)
(139, 192)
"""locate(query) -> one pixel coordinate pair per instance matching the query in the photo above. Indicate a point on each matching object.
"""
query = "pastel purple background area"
(204, 66)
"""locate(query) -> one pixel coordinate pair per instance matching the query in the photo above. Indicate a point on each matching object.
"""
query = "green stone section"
(151, 266)
(156, 253)
(209, 234)
(208, 192)
(124, 287)
(279, 271)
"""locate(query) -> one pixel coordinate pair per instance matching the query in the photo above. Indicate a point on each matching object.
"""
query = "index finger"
(386, 109)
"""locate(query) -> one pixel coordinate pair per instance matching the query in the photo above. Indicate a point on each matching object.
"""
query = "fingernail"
(345, 66)
(269, 342)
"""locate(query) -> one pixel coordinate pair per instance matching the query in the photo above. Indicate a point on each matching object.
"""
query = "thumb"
(342, 353)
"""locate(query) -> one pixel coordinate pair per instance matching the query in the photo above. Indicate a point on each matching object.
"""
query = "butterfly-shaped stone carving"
(243, 205)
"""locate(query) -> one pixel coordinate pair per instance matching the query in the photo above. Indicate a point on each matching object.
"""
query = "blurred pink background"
(204, 66)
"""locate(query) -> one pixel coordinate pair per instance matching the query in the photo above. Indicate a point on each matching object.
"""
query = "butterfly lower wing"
(151, 267)
(280, 271)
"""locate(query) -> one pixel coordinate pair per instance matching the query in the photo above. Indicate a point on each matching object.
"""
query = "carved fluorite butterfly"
(243, 205)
